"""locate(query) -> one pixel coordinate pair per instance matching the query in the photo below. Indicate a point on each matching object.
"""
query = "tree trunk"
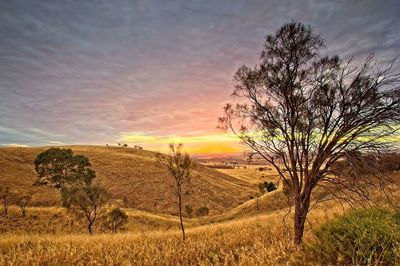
(257, 204)
(300, 215)
(114, 227)
(90, 227)
(180, 216)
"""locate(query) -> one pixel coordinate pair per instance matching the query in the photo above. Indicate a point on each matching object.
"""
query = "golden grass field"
(235, 233)
(255, 240)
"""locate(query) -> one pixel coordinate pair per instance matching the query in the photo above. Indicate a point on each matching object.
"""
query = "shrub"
(363, 237)
(269, 186)
(266, 187)
(189, 210)
(115, 220)
(202, 211)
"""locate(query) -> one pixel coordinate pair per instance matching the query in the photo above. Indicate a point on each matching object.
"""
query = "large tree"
(73, 176)
(58, 167)
(303, 112)
(179, 166)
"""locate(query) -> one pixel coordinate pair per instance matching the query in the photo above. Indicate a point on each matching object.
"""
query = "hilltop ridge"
(134, 178)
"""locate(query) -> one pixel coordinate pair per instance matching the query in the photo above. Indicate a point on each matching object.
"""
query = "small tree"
(125, 145)
(115, 220)
(59, 167)
(178, 165)
(85, 200)
(22, 202)
(6, 197)
(303, 112)
(189, 210)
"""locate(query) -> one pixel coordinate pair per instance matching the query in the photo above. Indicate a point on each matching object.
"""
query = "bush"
(202, 211)
(363, 237)
(269, 186)
(115, 220)
(189, 210)
(266, 187)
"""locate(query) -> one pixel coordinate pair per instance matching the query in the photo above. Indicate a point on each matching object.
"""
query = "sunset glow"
(152, 72)
(200, 144)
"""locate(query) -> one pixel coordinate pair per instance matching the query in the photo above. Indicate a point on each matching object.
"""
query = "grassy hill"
(236, 233)
(254, 240)
(133, 177)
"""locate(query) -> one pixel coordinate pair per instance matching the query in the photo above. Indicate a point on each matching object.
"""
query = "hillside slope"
(134, 178)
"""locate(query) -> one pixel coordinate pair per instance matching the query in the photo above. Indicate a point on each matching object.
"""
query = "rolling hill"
(134, 178)
(238, 233)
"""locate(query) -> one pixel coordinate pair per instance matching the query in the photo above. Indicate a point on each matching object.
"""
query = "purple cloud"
(87, 71)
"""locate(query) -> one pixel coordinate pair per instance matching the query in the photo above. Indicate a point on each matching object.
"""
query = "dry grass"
(262, 239)
(241, 235)
(151, 239)
(55, 220)
(252, 174)
(132, 176)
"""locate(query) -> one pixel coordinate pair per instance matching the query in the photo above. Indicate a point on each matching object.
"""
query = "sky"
(152, 72)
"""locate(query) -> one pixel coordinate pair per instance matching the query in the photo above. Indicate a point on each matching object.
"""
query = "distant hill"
(133, 177)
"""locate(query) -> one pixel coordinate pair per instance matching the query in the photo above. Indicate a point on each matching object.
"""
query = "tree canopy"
(58, 167)
(86, 200)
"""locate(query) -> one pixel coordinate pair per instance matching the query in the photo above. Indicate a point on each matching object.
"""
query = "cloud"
(15, 145)
(84, 72)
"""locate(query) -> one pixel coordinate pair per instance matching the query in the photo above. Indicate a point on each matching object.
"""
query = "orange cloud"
(200, 144)
(214, 148)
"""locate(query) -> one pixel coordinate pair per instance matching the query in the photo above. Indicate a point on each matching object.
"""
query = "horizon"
(148, 72)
